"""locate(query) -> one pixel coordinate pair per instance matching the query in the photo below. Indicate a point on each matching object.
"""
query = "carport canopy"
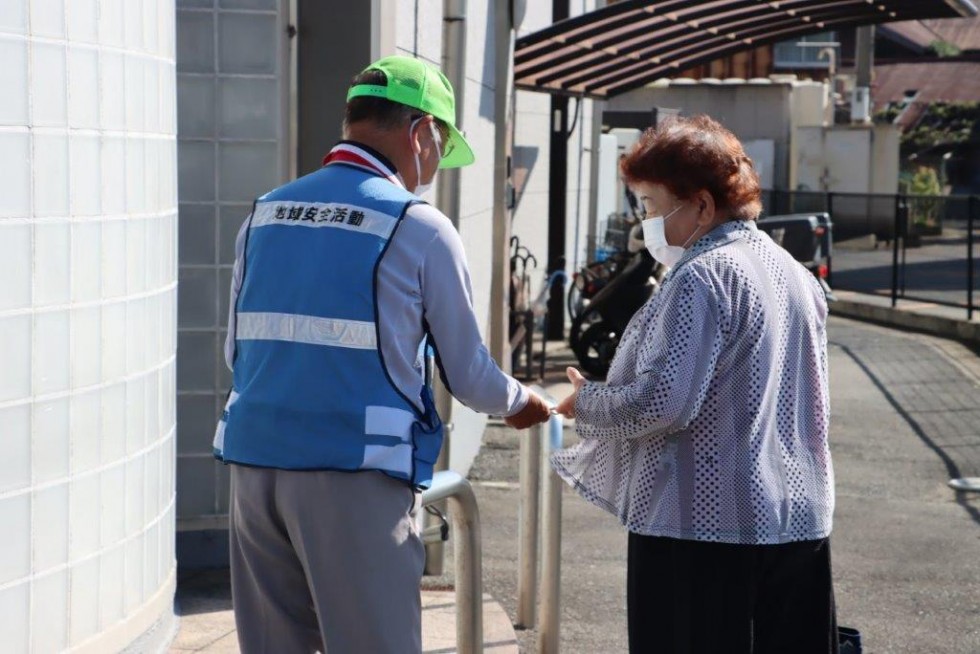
(629, 44)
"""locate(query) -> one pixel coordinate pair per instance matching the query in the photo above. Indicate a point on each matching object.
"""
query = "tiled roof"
(957, 81)
(964, 33)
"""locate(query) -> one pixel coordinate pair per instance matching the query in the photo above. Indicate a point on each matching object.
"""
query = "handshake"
(537, 409)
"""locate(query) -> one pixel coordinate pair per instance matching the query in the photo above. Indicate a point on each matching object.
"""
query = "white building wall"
(532, 128)
(87, 314)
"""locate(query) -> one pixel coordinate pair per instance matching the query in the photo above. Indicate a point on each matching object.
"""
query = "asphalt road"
(906, 548)
(937, 270)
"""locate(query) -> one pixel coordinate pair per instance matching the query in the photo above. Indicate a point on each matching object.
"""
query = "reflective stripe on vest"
(311, 330)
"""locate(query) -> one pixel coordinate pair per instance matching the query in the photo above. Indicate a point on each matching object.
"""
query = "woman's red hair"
(687, 155)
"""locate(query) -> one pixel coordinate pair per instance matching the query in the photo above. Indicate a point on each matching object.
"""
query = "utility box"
(847, 159)
(861, 104)
(858, 163)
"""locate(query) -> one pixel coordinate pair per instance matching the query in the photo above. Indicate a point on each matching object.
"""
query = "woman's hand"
(567, 406)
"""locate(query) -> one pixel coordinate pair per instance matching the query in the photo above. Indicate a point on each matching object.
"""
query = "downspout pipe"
(503, 31)
(454, 68)
(448, 201)
(592, 238)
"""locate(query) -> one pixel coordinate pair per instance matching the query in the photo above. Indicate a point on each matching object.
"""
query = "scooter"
(592, 277)
(595, 333)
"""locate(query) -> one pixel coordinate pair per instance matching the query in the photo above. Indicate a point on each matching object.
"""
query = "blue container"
(601, 254)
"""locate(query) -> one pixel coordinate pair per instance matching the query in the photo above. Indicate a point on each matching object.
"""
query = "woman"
(709, 439)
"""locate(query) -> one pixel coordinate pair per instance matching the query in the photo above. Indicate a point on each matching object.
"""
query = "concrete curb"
(907, 318)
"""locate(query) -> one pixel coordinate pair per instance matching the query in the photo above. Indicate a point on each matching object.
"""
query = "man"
(342, 279)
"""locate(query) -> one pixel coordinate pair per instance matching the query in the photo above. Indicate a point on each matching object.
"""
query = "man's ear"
(423, 126)
(414, 136)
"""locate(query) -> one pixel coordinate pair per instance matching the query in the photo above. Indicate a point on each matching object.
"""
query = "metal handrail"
(468, 555)
(527, 528)
(539, 532)
(549, 607)
(537, 537)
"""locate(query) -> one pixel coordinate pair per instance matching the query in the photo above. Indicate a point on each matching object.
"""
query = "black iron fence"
(906, 247)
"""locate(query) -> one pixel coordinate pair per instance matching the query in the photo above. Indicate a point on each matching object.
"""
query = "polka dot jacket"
(712, 425)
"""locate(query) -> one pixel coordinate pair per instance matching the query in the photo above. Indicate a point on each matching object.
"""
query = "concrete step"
(439, 625)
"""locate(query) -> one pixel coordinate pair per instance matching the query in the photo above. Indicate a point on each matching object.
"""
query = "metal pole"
(830, 251)
(468, 549)
(527, 529)
(435, 557)
(972, 205)
(593, 228)
(864, 54)
(557, 194)
(906, 228)
(898, 227)
(292, 101)
(549, 609)
(829, 239)
(902, 268)
(454, 68)
(468, 553)
(864, 49)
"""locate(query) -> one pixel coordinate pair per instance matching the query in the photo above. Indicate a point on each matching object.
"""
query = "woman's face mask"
(655, 239)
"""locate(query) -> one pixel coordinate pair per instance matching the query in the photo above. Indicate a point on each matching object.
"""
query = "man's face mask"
(423, 188)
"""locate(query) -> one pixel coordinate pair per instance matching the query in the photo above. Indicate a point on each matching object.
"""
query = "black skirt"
(692, 597)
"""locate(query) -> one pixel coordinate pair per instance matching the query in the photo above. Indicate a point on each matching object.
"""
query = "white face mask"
(421, 189)
(656, 240)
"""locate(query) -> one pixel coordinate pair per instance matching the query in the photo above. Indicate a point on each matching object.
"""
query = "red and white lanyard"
(350, 154)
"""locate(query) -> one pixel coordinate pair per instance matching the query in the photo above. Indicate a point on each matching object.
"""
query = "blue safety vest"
(310, 388)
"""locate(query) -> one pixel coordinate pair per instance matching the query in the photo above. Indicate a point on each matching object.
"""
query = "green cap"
(414, 83)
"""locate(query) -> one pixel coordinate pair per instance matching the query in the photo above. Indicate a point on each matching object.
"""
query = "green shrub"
(925, 197)
(944, 48)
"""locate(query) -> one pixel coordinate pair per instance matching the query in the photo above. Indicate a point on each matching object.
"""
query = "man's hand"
(567, 406)
(534, 412)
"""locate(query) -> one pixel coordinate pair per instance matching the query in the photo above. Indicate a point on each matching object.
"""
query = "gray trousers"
(325, 561)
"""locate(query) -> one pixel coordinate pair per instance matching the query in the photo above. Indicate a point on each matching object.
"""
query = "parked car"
(809, 238)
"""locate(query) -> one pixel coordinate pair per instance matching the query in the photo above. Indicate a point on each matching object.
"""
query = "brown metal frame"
(629, 44)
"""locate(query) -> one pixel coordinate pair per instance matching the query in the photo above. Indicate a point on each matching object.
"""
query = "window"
(790, 54)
